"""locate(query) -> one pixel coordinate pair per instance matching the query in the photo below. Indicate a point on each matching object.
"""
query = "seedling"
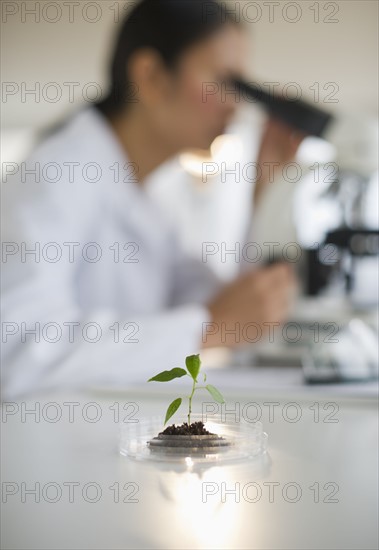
(193, 365)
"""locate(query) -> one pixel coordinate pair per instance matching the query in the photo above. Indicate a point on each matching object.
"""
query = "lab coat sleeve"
(49, 342)
(106, 353)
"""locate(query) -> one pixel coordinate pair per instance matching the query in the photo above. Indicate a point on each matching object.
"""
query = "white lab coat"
(71, 293)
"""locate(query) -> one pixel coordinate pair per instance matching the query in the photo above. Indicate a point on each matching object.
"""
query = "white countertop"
(328, 457)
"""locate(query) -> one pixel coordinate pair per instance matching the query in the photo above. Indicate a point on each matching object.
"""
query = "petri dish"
(232, 441)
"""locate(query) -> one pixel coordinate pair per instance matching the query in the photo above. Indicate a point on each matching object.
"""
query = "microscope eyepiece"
(299, 114)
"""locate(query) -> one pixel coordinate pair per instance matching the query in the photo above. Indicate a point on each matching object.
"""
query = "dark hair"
(167, 26)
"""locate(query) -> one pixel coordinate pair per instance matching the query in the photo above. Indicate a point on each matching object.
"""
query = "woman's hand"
(262, 297)
(279, 146)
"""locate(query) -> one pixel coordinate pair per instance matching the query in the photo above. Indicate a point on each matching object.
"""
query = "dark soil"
(196, 428)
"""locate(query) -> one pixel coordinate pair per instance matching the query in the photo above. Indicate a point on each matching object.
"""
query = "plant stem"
(190, 402)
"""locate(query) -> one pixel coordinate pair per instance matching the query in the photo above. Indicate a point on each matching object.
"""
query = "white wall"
(305, 52)
(344, 53)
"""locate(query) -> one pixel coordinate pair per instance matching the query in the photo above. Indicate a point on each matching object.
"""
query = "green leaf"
(215, 393)
(172, 408)
(193, 364)
(205, 377)
(168, 375)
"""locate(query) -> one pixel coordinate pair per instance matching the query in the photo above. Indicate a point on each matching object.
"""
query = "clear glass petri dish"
(233, 441)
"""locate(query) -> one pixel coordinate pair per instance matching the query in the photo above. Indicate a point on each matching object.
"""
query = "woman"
(96, 287)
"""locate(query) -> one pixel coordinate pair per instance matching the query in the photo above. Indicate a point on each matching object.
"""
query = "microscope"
(354, 355)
